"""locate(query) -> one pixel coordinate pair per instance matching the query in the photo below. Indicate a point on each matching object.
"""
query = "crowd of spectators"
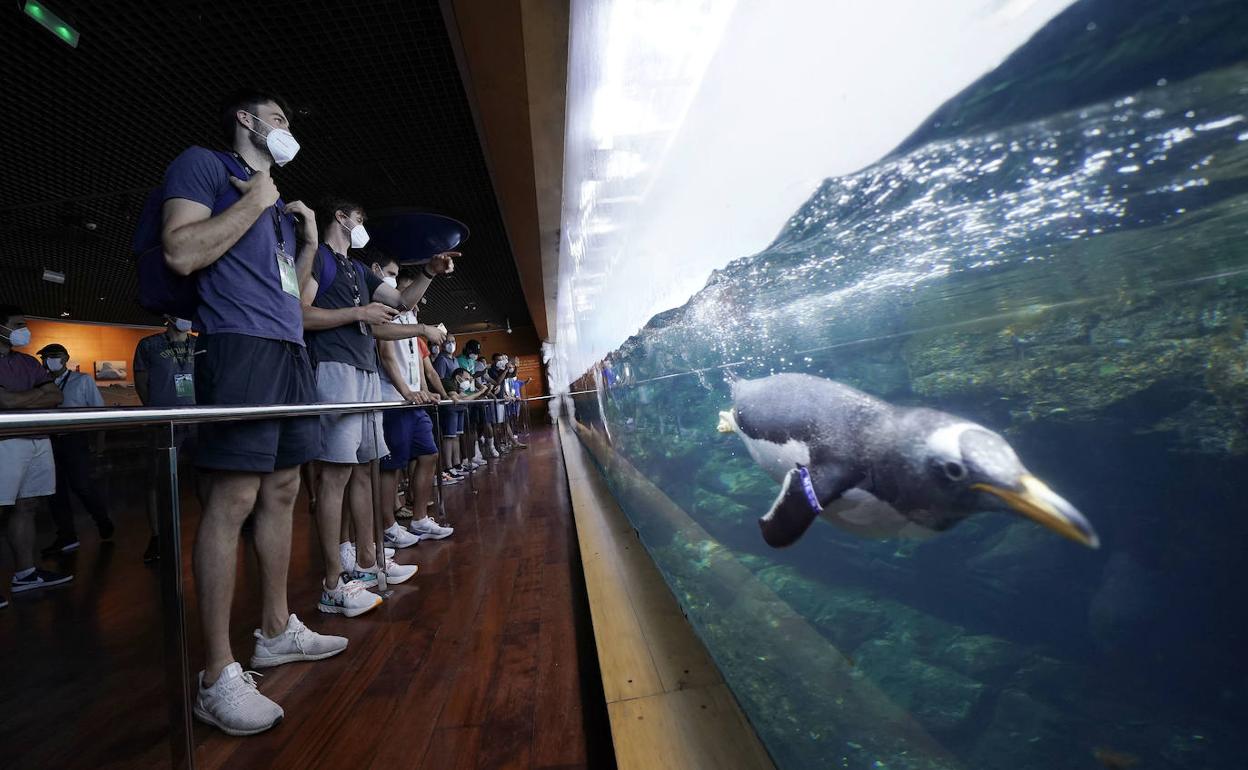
(285, 315)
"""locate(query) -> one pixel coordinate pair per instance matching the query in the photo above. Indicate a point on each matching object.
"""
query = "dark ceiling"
(377, 104)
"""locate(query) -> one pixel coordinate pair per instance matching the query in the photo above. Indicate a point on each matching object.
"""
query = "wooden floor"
(484, 660)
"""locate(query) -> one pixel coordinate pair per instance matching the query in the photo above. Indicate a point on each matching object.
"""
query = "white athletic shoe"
(395, 572)
(428, 529)
(234, 705)
(348, 598)
(493, 450)
(457, 472)
(478, 463)
(399, 537)
(346, 552)
(297, 642)
(448, 479)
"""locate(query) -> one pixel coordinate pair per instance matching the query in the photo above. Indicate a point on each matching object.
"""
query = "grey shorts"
(349, 438)
(26, 469)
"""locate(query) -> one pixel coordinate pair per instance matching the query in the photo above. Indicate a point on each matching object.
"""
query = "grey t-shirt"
(170, 368)
(345, 344)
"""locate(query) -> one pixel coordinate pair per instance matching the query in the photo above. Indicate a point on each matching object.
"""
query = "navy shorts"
(451, 420)
(241, 370)
(409, 434)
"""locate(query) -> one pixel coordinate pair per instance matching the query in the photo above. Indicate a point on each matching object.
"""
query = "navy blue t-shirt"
(240, 293)
(344, 344)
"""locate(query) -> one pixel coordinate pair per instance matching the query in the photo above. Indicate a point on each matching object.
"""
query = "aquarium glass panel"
(913, 340)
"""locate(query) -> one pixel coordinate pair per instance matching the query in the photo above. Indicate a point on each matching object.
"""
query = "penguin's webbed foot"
(792, 513)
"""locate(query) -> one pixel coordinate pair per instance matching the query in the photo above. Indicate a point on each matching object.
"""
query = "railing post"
(173, 617)
(437, 472)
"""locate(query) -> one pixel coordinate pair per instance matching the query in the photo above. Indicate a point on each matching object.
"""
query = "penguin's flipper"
(799, 503)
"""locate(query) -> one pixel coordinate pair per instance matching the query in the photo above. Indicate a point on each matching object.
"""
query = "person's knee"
(335, 474)
(232, 497)
(282, 486)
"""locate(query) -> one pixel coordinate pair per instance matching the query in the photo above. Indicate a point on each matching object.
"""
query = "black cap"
(55, 349)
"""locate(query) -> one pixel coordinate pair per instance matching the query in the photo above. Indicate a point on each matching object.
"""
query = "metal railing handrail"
(26, 422)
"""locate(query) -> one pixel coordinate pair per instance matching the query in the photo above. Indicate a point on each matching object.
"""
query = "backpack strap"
(328, 272)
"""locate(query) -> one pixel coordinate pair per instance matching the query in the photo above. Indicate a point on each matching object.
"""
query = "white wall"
(695, 128)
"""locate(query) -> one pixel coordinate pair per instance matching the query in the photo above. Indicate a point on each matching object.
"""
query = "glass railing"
(116, 648)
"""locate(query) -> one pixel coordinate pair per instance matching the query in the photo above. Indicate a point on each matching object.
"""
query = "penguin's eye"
(955, 471)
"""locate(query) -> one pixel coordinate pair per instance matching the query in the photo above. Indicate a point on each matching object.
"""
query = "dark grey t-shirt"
(345, 344)
(170, 368)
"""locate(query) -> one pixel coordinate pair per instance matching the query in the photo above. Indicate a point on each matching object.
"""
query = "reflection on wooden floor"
(483, 660)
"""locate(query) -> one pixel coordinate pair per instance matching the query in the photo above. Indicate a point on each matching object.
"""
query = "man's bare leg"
(274, 511)
(333, 484)
(360, 493)
(230, 499)
(21, 533)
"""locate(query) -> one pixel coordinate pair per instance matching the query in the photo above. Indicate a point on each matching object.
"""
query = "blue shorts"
(409, 434)
(451, 419)
(241, 370)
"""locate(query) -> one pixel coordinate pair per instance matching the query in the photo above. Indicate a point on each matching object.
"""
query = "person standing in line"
(457, 441)
(72, 453)
(345, 308)
(249, 262)
(27, 470)
(164, 375)
(409, 432)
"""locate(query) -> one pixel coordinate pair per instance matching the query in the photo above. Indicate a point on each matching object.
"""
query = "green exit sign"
(53, 23)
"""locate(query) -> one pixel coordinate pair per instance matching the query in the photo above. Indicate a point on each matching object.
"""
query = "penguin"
(879, 470)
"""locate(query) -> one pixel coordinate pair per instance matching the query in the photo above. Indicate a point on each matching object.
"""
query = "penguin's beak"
(1042, 505)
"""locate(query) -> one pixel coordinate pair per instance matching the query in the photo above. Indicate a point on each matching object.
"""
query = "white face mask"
(450, 347)
(359, 236)
(472, 356)
(502, 361)
(465, 385)
(281, 143)
(18, 338)
(389, 280)
(182, 325)
(55, 364)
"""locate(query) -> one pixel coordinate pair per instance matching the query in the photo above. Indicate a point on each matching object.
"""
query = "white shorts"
(26, 469)
(349, 438)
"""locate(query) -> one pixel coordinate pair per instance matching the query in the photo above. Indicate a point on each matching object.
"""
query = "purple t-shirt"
(19, 372)
(240, 293)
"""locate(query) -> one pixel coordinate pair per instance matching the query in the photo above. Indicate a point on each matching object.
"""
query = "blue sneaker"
(347, 598)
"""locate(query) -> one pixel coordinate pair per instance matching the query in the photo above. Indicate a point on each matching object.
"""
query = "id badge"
(286, 268)
(184, 385)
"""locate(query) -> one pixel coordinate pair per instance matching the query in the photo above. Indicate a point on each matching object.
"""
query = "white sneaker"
(346, 552)
(493, 451)
(348, 598)
(456, 472)
(399, 537)
(448, 479)
(297, 642)
(478, 463)
(234, 705)
(428, 529)
(395, 572)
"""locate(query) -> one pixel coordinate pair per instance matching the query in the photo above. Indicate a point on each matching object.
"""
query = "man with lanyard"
(409, 432)
(164, 375)
(248, 261)
(457, 449)
(478, 414)
(72, 453)
(26, 468)
(342, 319)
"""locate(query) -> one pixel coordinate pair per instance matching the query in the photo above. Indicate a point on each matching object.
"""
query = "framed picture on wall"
(111, 370)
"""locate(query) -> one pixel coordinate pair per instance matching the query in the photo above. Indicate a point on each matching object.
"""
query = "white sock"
(23, 574)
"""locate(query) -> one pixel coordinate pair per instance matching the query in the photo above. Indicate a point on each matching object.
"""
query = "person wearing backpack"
(225, 232)
(346, 307)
